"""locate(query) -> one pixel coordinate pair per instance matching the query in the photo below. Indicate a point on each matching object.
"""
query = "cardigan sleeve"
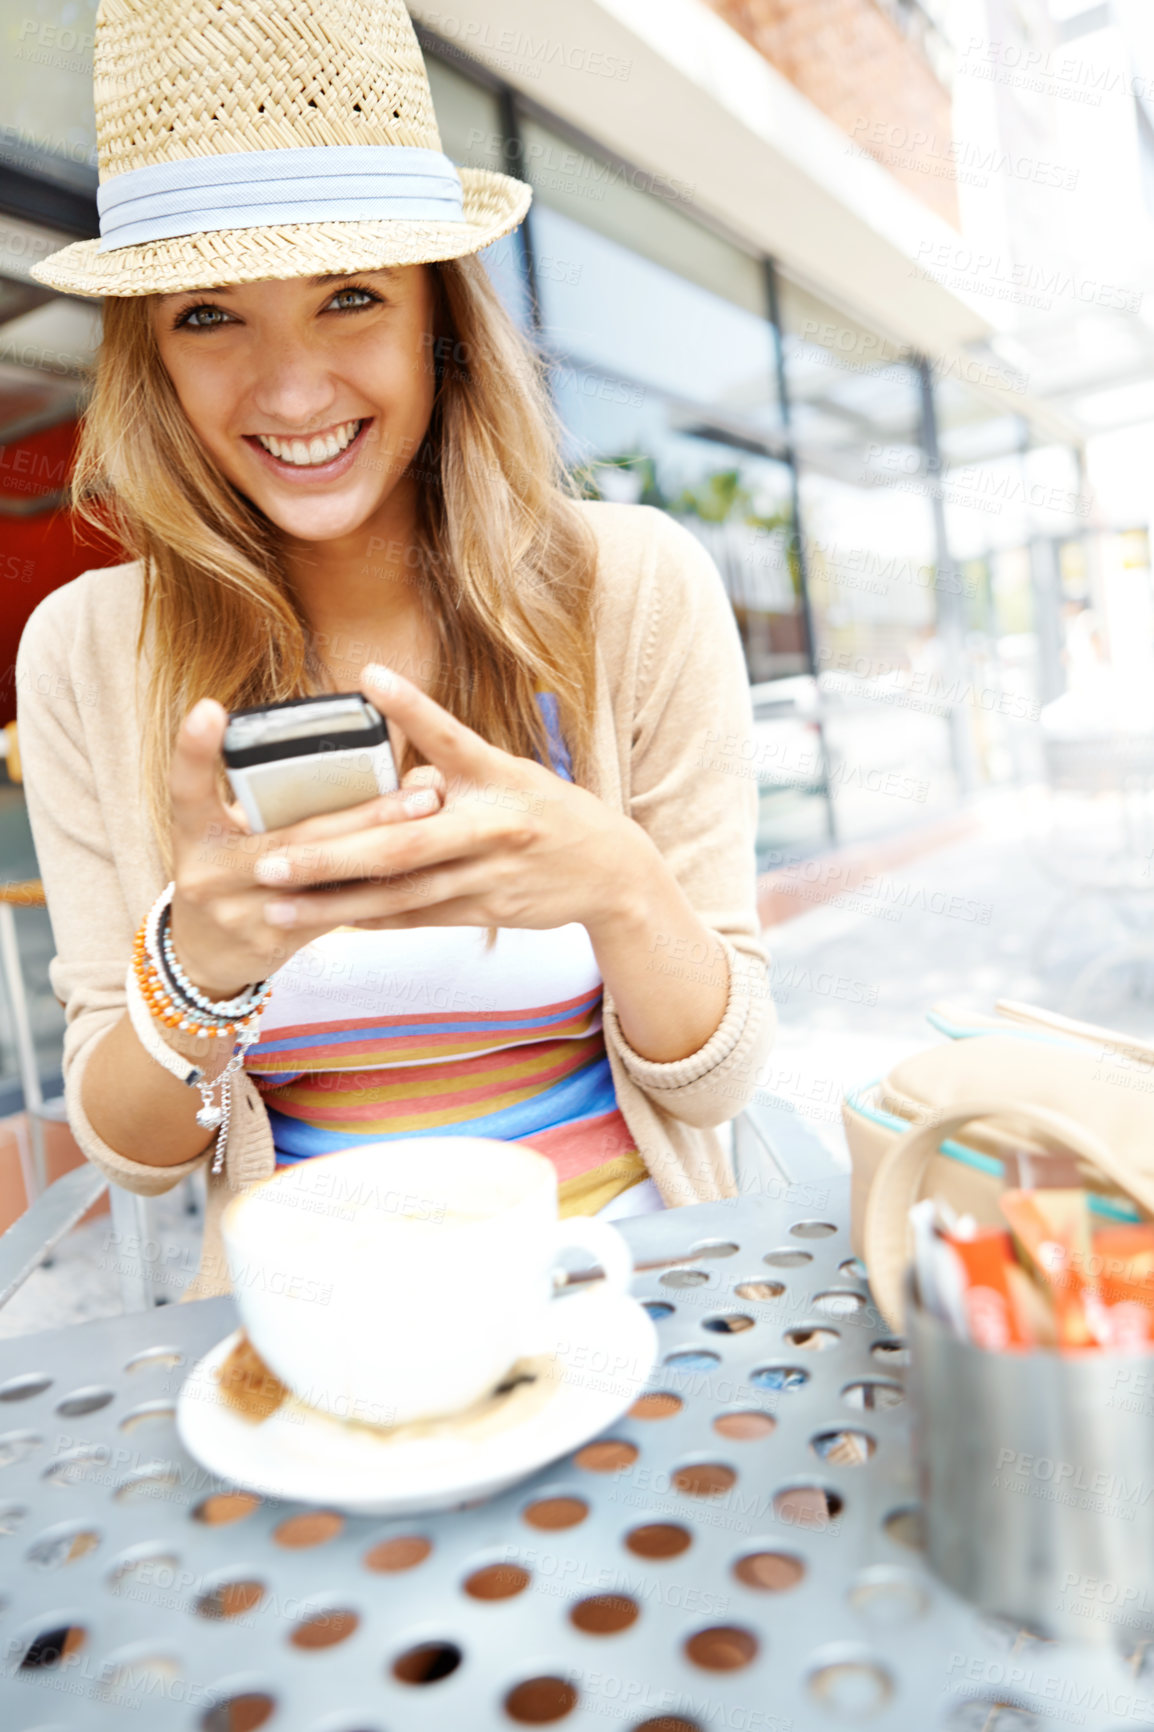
(92, 928)
(691, 788)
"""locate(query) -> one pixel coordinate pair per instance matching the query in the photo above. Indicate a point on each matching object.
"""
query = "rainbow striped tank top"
(425, 1032)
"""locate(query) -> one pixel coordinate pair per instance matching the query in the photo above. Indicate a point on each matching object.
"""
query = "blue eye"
(189, 316)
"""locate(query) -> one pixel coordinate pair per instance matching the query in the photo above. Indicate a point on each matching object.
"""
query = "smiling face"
(310, 394)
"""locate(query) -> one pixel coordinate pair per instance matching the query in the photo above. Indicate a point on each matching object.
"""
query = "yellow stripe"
(521, 1070)
(586, 1193)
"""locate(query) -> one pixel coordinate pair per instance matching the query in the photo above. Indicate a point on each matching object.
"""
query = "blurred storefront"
(898, 531)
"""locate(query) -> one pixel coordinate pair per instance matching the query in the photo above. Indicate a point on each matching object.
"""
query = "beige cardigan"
(671, 685)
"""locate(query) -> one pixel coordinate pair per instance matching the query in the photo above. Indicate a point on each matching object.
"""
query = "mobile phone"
(304, 756)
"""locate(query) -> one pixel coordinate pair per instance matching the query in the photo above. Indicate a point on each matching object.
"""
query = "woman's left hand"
(513, 845)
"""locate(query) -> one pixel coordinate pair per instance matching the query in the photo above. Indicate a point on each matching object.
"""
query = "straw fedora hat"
(246, 139)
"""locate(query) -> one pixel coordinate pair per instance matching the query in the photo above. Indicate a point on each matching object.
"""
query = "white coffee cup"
(401, 1280)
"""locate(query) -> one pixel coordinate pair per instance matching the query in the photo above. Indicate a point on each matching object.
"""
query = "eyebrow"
(313, 282)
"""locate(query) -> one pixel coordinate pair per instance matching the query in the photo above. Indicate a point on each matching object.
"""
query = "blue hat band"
(260, 188)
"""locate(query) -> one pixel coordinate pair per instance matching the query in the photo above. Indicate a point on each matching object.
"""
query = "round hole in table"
(693, 1359)
(656, 1540)
(1011, 1635)
(839, 1302)
(769, 1572)
(813, 1229)
(82, 1401)
(872, 1395)
(891, 1354)
(728, 1322)
(399, 1552)
(605, 1614)
(704, 1478)
(991, 1714)
(745, 1425)
(74, 1466)
(721, 1648)
(607, 1455)
(685, 1278)
(156, 1481)
(312, 1527)
(787, 1258)
(496, 1582)
(657, 1309)
(853, 1269)
(325, 1627)
(714, 1248)
(18, 1446)
(230, 1598)
(155, 1359)
(669, 1723)
(12, 1516)
(807, 1506)
(427, 1663)
(23, 1388)
(48, 1643)
(63, 1544)
(541, 1701)
(148, 1413)
(658, 1405)
(760, 1290)
(812, 1338)
(144, 1571)
(853, 1689)
(223, 1508)
(244, 1712)
(844, 1448)
(887, 1597)
(778, 1377)
(905, 1526)
(555, 1513)
(135, 1673)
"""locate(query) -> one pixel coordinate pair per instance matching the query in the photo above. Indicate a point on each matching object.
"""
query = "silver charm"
(209, 1117)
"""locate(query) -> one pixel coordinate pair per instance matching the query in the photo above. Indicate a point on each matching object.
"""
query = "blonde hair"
(504, 562)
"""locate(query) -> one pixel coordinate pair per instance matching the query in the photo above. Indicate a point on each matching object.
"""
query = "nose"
(292, 390)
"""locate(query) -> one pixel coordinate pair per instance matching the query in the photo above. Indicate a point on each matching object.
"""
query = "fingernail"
(273, 869)
(424, 800)
(380, 676)
(201, 718)
(281, 913)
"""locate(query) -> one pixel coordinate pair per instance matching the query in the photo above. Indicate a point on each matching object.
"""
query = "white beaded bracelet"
(185, 1071)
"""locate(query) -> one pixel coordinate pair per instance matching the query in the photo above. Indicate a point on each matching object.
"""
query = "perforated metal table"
(739, 1553)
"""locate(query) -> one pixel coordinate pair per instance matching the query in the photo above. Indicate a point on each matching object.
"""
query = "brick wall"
(856, 65)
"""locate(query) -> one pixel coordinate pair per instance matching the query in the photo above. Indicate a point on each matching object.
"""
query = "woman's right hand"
(221, 937)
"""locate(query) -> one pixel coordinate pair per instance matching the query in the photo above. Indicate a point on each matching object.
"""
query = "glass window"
(46, 92)
(640, 291)
(469, 121)
(871, 549)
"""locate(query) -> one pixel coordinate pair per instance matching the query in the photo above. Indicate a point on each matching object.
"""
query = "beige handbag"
(1025, 1079)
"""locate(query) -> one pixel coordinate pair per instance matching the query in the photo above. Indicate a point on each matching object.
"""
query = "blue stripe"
(586, 1095)
(315, 1034)
(558, 750)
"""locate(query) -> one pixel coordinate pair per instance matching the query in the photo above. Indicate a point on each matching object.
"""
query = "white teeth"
(305, 453)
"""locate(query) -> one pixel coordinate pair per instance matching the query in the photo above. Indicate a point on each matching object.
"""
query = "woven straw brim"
(494, 204)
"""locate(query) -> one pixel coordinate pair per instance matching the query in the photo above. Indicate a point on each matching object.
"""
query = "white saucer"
(599, 1348)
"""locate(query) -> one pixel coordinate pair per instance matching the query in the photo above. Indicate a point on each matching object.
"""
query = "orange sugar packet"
(1051, 1229)
(995, 1317)
(1125, 1253)
(1122, 1264)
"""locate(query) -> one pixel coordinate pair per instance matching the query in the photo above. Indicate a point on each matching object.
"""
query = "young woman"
(334, 461)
